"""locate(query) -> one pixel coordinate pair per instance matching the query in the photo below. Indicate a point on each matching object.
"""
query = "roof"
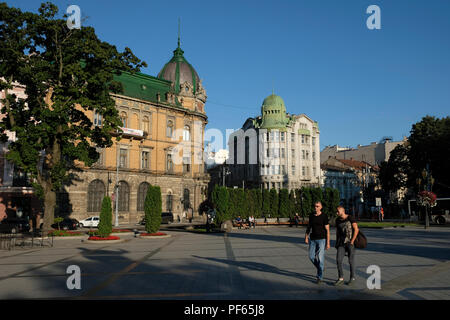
(144, 87)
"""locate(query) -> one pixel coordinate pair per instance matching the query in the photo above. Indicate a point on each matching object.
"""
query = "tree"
(66, 72)
(307, 202)
(266, 202)
(105, 224)
(292, 201)
(221, 199)
(284, 203)
(258, 202)
(153, 209)
(274, 203)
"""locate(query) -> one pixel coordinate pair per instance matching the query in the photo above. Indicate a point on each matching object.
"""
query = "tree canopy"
(66, 72)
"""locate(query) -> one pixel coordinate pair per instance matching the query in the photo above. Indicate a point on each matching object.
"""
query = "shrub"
(105, 224)
(153, 209)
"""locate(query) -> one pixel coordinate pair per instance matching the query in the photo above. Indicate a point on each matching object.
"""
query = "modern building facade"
(275, 150)
(163, 122)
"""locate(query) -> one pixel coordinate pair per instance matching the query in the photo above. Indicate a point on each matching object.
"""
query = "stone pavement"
(256, 264)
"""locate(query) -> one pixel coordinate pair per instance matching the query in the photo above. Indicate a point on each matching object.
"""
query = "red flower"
(97, 238)
(154, 234)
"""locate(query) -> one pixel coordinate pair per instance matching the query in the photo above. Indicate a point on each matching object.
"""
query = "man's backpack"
(361, 240)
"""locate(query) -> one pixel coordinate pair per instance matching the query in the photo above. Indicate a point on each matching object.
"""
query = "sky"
(318, 55)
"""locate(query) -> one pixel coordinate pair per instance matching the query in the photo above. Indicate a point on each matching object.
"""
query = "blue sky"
(318, 55)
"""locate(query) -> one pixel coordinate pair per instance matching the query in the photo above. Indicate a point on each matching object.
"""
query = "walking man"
(346, 232)
(319, 240)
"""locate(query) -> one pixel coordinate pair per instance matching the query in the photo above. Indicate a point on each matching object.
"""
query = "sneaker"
(351, 281)
(319, 281)
(339, 282)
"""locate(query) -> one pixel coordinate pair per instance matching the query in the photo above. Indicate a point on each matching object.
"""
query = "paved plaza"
(262, 263)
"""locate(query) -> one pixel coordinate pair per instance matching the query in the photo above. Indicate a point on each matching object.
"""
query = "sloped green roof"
(144, 87)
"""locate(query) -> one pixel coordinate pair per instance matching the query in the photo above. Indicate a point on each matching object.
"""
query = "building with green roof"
(275, 150)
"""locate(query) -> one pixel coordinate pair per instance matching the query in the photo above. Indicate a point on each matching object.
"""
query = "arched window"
(142, 193)
(124, 196)
(96, 192)
(169, 202)
(186, 201)
(124, 119)
(186, 133)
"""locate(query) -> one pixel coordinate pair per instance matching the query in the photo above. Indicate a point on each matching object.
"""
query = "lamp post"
(428, 182)
(116, 224)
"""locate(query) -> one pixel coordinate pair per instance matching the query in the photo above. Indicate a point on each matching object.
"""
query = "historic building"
(355, 180)
(275, 150)
(163, 122)
(374, 153)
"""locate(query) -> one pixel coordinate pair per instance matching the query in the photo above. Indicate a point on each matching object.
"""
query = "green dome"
(273, 101)
(273, 113)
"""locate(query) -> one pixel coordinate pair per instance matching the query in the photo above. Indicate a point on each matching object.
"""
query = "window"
(314, 155)
(96, 192)
(307, 155)
(169, 163)
(313, 141)
(293, 153)
(169, 202)
(268, 152)
(283, 169)
(169, 129)
(123, 158)
(276, 136)
(124, 119)
(292, 137)
(303, 154)
(314, 171)
(97, 119)
(303, 171)
(186, 133)
(283, 154)
(282, 135)
(146, 124)
(293, 170)
(142, 193)
(124, 196)
(145, 160)
(186, 199)
(186, 164)
(276, 153)
(272, 136)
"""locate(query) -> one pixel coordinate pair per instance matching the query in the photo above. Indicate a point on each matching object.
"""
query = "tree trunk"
(49, 209)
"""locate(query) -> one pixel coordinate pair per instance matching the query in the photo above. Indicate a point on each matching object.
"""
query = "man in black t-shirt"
(346, 232)
(319, 228)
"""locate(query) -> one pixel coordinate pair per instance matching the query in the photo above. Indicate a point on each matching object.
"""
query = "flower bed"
(157, 234)
(97, 238)
(64, 233)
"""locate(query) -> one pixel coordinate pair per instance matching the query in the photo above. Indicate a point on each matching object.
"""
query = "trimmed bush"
(153, 209)
(105, 224)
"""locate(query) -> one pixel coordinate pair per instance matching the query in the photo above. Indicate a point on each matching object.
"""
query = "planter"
(157, 235)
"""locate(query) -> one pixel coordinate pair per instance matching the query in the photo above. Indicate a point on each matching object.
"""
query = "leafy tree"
(153, 209)
(105, 224)
(66, 72)
(317, 195)
(284, 203)
(274, 203)
(307, 202)
(257, 194)
(292, 203)
(221, 199)
(58, 220)
(266, 202)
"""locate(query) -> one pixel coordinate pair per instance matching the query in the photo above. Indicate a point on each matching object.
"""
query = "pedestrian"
(346, 232)
(239, 222)
(319, 228)
(3, 214)
(252, 221)
(296, 220)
